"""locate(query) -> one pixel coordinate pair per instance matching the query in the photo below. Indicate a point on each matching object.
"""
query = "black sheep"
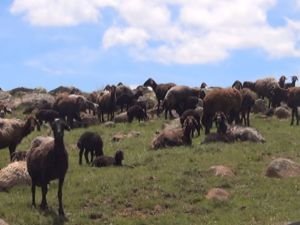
(89, 142)
(46, 115)
(138, 112)
(102, 161)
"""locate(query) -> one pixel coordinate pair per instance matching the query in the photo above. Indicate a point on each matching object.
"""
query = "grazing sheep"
(19, 156)
(89, 142)
(160, 90)
(293, 84)
(175, 137)
(230, 133)
(48, 161)
(101, 161)
(177, 96)
(107, 104)
(227, 100)
(196, 115)
(12, 131)
(138, 112)
(263, 88)
(14, 174)
(69, 106)
(46, 115)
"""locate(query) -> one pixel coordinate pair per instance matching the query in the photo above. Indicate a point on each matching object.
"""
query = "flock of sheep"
(228, 108)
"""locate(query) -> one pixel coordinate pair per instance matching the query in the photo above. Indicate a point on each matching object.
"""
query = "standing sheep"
(107, 104)
(89, 142)
(292, 84)
(160, 91)
(49, 161)
(248, 101)
(12, 131)
(227, 100)
(178, 95)
(138, 112)
(46, 115)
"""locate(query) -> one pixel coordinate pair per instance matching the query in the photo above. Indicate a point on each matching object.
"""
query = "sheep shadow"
(56, 219)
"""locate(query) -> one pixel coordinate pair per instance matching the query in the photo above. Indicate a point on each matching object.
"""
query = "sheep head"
(58, 126)
(221, 122)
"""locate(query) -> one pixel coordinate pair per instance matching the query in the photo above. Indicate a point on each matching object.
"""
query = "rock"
(172, 124)
(282, 168)
(2, 222)
(109, 124)
(282, 113)
(118, 137)
(121, 118)
(260, 106)
(218, 194)
(222, 171)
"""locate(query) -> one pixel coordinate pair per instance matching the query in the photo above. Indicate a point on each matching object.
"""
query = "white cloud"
(202, 31)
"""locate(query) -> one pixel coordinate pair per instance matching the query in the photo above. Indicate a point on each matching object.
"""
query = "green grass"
(167, 186)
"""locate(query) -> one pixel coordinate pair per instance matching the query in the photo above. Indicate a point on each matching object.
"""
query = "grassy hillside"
(167, 186)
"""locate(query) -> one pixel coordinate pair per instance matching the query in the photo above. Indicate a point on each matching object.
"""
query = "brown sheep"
(178, 95)
(47, 161)
(281, 81)
(175, 137)
(263, 88)
(196, 115)
(293, 101)
(70, 107)
(103, 160)
(12, 131)
(160, 91)
(107, 104)
(227, 100)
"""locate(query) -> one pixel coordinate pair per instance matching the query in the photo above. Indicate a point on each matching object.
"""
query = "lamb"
(101, 161)
(46, 115)
(227, 100)
(48, 160)
(12, 131)
(89, 142)
(175, 137)
(160, 90)
(138, 112)
(197, 117)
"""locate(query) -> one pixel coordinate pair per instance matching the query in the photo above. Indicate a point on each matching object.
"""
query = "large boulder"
(282, 168)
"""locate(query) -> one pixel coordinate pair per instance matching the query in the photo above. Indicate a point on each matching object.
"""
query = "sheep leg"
(33, 194)
(12, 149)
(59, 195)
(248, 117)
(44, 204)
(297, 116)
(158, 105)
(86, 155)
(92, 156)
(293, 114)
(80, 155)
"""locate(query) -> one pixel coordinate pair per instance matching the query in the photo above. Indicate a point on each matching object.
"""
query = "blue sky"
(91, 43)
